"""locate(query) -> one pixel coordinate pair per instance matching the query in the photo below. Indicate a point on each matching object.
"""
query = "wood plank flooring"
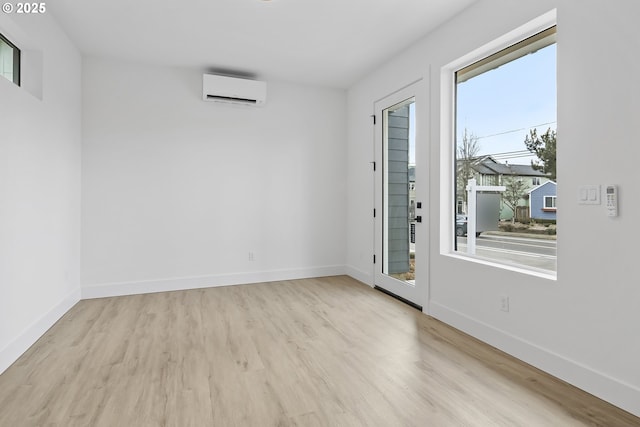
(314, 352)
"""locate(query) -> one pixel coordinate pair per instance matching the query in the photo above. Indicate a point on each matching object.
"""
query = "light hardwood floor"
(314, 352)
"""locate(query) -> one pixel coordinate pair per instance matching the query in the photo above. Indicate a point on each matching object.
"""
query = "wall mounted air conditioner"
(233, 90)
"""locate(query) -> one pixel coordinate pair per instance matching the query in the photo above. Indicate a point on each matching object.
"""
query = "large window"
(505, 155)
(9, 60)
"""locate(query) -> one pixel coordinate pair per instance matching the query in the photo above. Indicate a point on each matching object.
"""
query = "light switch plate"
(589, 195)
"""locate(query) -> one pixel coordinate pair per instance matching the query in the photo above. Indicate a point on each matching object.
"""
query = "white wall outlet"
(251, 256)
(504, 303)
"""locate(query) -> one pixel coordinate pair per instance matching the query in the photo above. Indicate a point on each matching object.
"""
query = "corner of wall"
(13, 350)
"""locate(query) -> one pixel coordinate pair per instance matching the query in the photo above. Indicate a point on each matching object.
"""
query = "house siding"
(537, 201)
(398, 191)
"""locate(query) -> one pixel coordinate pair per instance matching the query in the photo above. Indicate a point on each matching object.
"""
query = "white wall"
(584, 326)
(176, 192)
(39, 186)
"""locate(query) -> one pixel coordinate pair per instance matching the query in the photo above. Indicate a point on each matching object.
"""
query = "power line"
(511, 152)
(512, 156)
(515, 130)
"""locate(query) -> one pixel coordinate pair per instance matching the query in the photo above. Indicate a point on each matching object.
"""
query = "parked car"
(461, 225)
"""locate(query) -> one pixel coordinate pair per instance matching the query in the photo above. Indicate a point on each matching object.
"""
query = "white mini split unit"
(233, 90)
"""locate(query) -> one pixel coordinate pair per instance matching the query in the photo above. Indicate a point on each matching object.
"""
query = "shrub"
(508, 227)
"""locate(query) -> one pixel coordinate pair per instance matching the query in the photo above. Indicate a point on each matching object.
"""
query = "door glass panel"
(399, 191)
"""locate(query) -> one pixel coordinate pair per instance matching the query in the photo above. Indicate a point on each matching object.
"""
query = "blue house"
(542, 201)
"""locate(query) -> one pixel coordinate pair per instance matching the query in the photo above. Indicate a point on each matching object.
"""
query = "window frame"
(16, 59)
(447, 154)
(546, 208)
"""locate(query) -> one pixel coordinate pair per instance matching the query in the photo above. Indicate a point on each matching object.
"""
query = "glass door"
(399, 212)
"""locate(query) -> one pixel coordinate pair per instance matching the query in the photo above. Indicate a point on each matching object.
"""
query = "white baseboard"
(28, 337)
(610, 389)
(182, 283)
(360, 275)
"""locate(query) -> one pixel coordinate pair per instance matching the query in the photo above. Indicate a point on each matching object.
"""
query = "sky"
(502, 105)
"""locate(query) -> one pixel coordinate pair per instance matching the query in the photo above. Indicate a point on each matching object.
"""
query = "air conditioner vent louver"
(233, 90)
(230, 99)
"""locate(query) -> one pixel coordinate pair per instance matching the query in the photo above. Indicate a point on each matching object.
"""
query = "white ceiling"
(322, 42)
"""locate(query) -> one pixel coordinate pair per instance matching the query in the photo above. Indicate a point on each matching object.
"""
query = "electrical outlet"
(504, 303)
(251, 256)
